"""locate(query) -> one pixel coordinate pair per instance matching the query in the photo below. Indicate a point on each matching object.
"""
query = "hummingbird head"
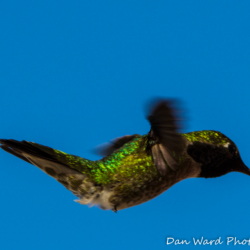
(217, 154)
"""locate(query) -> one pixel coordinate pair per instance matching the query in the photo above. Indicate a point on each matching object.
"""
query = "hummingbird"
(137, 168)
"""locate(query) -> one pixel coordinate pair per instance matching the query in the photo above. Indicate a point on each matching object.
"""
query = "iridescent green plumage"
(130, 171)
(136, 168)
(129, 161)
(208, 136)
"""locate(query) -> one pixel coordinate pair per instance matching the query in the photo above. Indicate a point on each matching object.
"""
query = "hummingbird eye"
(231, 149)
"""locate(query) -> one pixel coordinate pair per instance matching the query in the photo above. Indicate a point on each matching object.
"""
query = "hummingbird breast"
(128, 177)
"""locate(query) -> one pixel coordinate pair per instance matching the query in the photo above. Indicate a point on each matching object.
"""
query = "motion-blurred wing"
(108, 148)
(164, 119)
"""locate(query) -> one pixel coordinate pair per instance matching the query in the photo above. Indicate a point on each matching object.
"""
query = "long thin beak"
(242, 168)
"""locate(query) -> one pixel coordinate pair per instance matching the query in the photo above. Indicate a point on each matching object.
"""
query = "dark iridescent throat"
(213, 159)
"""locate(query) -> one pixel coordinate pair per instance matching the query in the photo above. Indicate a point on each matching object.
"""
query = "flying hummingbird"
(137, 168)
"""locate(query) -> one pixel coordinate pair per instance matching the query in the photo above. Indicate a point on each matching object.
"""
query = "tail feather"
(48, 163)
(17, 148)
(11, 151)
(71, 171)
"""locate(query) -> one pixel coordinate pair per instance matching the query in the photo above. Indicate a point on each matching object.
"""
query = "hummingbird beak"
(242, 168)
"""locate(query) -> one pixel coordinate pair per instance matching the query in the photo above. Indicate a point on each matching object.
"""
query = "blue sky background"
(75, 74)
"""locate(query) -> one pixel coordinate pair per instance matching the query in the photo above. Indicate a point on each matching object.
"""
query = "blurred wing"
(164, 119)
(108, 148)
(158, 159)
